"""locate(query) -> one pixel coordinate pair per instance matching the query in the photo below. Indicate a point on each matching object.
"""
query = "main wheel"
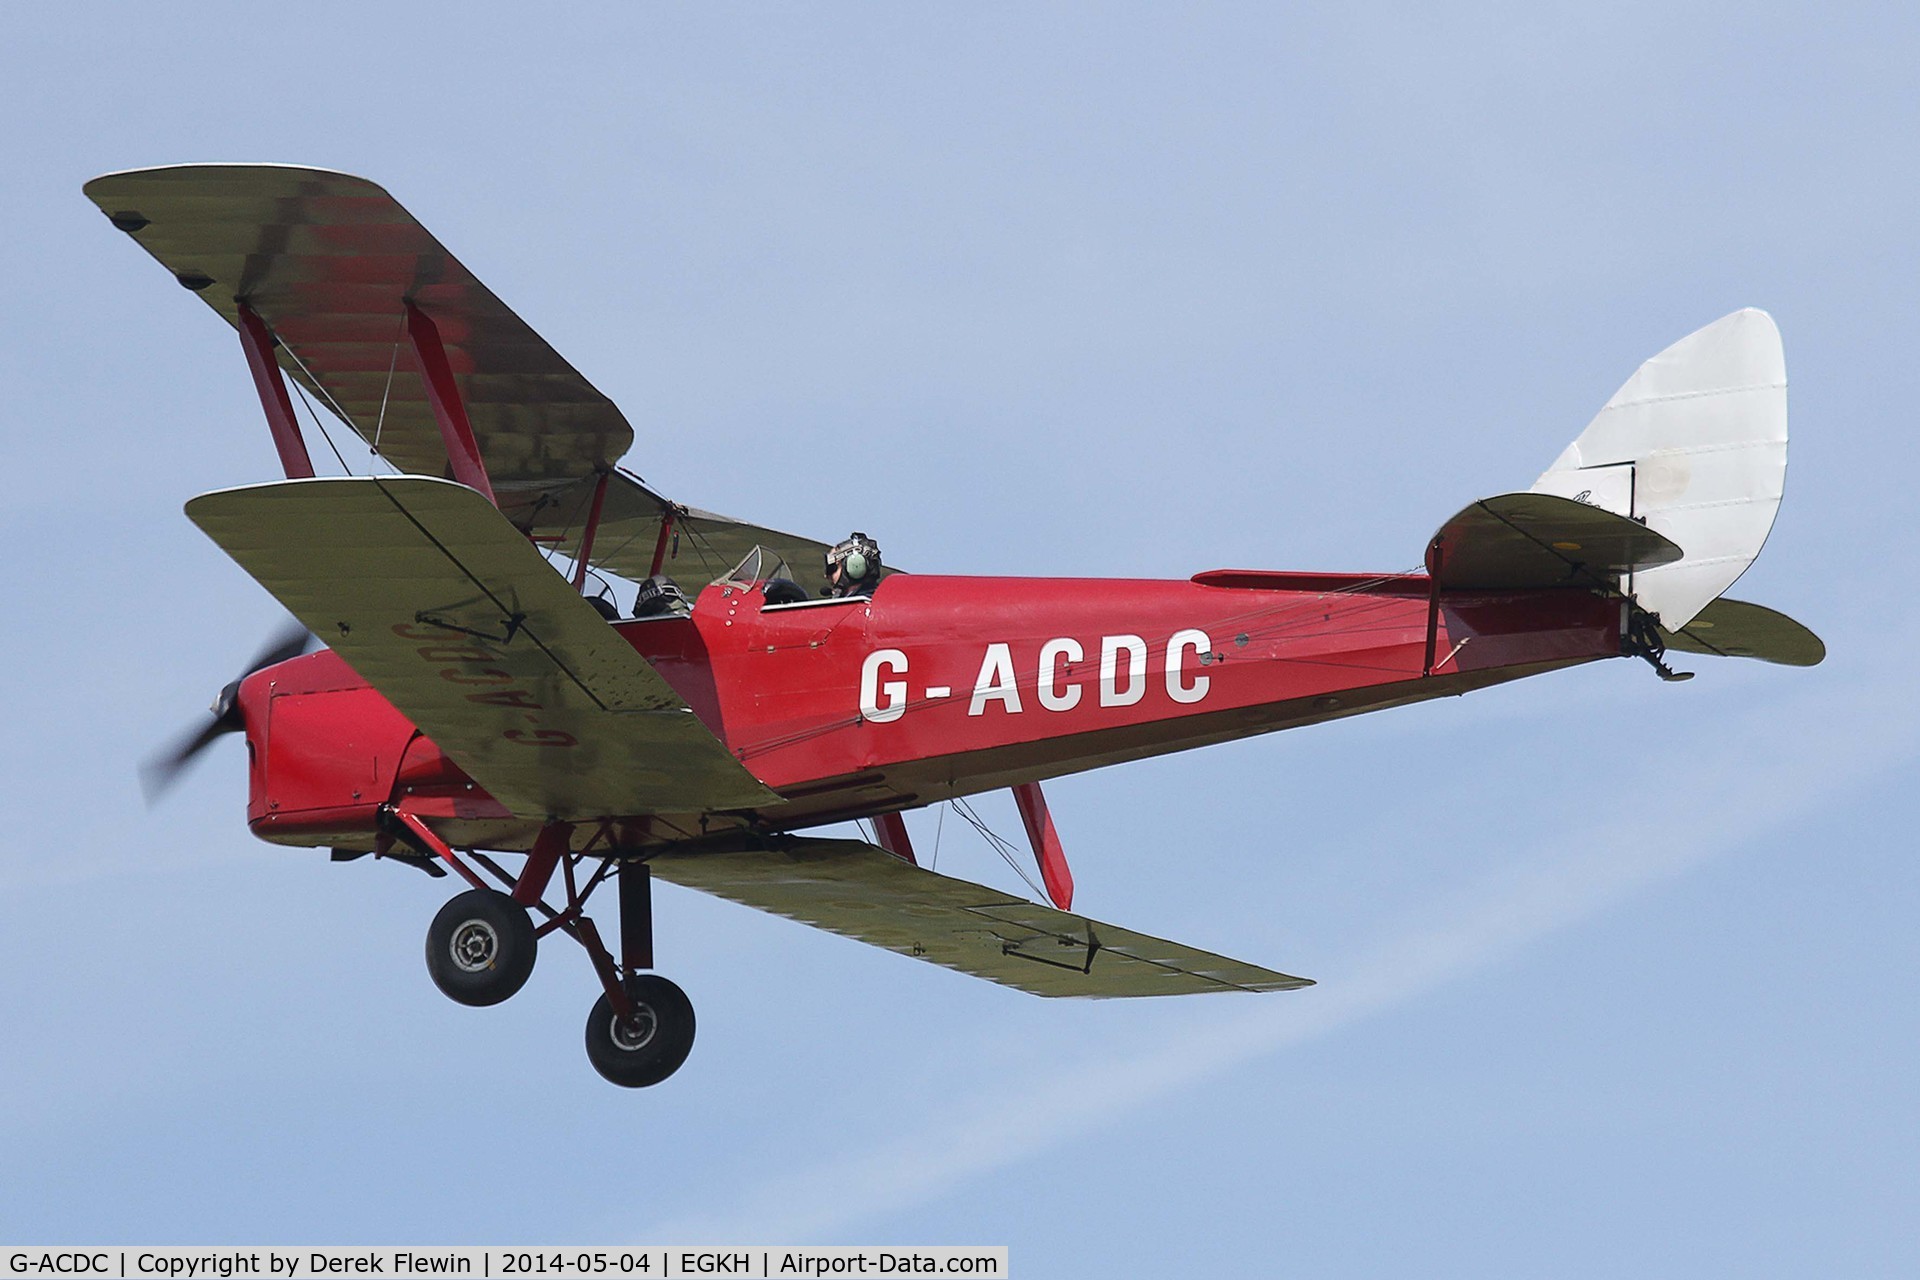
(481, 947)
(648, 1047)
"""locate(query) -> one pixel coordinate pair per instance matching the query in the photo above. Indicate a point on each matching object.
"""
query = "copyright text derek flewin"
(279, 1262)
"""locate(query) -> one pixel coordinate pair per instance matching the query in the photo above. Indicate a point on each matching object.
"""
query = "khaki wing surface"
(438, 602)
(1736, 629)
(861, 891)
(329, 261)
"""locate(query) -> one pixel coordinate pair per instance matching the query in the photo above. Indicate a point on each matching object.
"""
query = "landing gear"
(481, 947)
(641, 1027)
(648, 1044)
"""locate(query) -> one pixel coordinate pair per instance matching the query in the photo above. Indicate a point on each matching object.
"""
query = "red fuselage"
(940, 687)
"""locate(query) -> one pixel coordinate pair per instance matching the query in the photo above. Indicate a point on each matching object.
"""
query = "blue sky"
(1614, 976)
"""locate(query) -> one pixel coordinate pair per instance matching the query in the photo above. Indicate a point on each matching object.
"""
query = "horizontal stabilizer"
(427, 591)
(1736, 629)
(1522, 540)
(863, 892)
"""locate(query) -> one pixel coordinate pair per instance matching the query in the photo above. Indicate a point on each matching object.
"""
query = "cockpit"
(761, 571)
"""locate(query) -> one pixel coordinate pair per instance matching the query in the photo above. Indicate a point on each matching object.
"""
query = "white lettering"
(871, 688)
(1050, 654)
(995, 682)
(1111, 695)
(1198, 642)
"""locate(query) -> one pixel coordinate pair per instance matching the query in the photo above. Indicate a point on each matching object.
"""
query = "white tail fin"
(1694, 446)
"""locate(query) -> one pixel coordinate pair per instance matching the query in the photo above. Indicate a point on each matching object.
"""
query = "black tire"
(481, 948)
(635, 1056)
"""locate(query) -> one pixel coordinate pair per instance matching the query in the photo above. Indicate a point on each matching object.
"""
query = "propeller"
(163, 769)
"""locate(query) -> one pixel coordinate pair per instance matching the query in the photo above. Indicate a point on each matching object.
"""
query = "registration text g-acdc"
(67, 1263)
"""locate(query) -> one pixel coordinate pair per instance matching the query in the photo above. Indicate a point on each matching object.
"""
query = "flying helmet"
(857, 558)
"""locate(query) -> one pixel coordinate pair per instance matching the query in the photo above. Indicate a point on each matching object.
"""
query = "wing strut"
(583, 561)
(892, 830)
(258, 344)
(443, 395)
(1047, 850)
(660, 544)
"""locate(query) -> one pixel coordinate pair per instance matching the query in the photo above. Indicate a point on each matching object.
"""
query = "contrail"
(1757, 778)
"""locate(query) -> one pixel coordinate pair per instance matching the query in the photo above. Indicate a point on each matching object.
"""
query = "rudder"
(1694, 446)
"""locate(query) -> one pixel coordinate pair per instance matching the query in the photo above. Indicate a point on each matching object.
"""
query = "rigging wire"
(306, 373)
(934, 862)
(322, 427)
(712, 556)
(1001, 846)
(553, 548)
(394, 359)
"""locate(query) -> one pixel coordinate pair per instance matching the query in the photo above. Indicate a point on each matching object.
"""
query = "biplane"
(483, 701)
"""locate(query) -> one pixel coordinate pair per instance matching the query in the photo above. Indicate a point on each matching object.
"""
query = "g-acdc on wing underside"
(426, 591)
(861, 891)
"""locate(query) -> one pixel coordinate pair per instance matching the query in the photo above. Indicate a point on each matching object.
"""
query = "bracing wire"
(322, 427)
(566, 531)
(300, 364)
(1000, 845)
(392, 361)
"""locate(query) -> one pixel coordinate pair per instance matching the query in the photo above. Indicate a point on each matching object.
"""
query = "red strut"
(584, 559)
(258, 344)
(660, 544)
(892, 830)
(443, 394)
(1046, 844)
(549, 847)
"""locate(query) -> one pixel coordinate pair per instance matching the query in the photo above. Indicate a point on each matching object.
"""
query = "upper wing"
(700, 546)
(440, 604)
(861, 891)
(328, 261)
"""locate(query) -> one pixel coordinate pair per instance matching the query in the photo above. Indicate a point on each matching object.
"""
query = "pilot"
(658, 597)
(853, 567)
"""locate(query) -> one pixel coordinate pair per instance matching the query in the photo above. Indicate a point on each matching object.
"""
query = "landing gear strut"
(641, 1027)
(481, 948)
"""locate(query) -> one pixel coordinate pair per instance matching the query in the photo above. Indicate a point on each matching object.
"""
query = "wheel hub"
(633, 1034)
(475, 944)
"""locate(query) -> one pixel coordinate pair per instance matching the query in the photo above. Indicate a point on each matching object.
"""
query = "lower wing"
(863, 892)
